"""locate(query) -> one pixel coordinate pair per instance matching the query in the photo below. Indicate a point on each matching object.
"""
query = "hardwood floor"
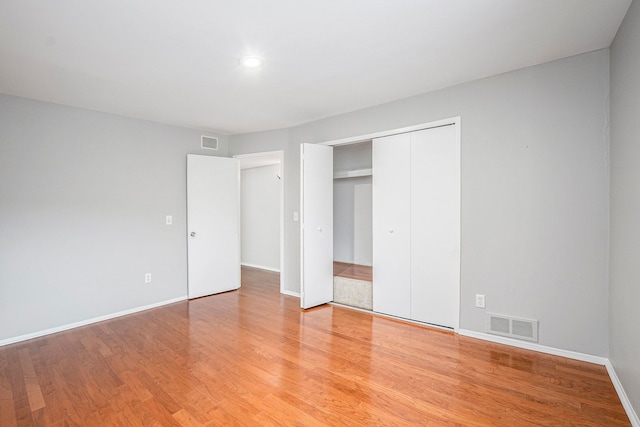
(252, 357)
(353, 271)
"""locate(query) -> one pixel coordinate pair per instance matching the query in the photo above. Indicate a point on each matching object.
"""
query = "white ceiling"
(176, 62)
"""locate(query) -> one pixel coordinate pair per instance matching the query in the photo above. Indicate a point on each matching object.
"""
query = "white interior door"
(316, 233)
(435, 226)
(213, 219)
(392, 225)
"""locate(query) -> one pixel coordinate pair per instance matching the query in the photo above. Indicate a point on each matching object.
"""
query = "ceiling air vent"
(209, 142)
(512, 327)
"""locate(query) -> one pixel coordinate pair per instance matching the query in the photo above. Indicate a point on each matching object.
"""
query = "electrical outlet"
(147, 278)
(479, 301)
(169, 220)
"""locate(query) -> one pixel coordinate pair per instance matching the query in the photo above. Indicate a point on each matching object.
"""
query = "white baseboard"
(535, 347)
(261, 267)
(291, 293)
(87, 322)
(626, 403)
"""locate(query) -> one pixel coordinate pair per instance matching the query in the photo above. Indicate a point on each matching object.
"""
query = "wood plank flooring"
(353, 271)
(252, 357)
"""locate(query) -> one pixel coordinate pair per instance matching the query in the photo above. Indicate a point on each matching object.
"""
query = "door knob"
(391, 231)
(193, 234)
(320, 229)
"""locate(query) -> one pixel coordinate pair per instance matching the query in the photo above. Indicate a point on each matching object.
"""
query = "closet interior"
(353, 225)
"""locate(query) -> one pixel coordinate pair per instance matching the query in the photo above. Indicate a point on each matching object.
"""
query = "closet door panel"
(435, 226)
(391, 225)
(316, 220)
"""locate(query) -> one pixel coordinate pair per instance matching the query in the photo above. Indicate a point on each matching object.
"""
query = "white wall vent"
(512, 327)
(209, 142)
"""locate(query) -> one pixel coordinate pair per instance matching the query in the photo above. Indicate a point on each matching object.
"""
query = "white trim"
(457, 122)
(301, 225)
(89, 321)
(282, 213)
(535, 347)
(370, 136)
(260, 267)
(624, 399)
(291, 293)
(260, 154)
(279, 153)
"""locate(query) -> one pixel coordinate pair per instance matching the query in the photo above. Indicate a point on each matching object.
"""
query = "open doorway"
(353, 225)
(261, 211)
(336, 196)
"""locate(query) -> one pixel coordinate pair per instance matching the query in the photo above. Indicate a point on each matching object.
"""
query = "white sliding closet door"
(391, 225)
(435, 226)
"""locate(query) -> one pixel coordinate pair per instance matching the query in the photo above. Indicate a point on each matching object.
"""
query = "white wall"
(534, 191)
(83, 199)
(260, 217)
(625, 205)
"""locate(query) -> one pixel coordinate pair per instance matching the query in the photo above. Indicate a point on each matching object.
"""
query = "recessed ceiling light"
(251, 61)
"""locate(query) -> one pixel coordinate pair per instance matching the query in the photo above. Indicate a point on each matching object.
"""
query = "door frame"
(389, 132)
(456, 121)
(280, 155)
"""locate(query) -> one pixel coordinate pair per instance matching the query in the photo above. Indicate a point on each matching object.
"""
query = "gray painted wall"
(83, 200)
(625, 205)
(260, 216)
(534, 191)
